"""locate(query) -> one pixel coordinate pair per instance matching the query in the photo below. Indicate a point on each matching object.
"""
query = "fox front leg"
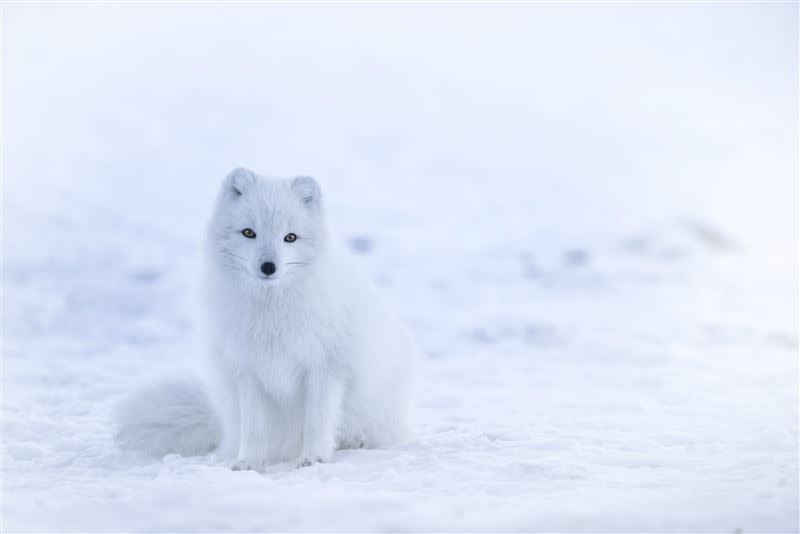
(253, 444)
(323, 406)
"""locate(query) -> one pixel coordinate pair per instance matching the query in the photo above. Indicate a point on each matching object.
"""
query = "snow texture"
(587, 213)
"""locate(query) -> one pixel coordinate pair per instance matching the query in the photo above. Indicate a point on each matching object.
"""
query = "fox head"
(269, 231)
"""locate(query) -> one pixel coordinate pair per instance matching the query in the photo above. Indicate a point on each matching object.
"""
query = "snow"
(586, 212)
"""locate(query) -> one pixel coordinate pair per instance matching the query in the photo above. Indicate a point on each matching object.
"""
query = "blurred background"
(586, 212)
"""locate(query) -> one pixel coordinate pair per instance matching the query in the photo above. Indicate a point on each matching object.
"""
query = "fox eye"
(290, 238)
(247, 232)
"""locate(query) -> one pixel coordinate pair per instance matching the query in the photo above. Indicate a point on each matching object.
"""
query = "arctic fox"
(304, 358)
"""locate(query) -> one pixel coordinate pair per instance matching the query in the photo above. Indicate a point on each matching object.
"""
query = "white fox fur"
(304, 359)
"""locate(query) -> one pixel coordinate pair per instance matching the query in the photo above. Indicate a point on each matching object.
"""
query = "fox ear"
(238, 181)
(307, 189)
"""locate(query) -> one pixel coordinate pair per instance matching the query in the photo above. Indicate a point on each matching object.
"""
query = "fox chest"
(281, 357)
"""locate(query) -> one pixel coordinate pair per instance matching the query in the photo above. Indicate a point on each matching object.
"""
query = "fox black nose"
(268, 268)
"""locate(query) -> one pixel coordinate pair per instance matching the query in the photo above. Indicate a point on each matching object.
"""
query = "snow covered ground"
(586, 212)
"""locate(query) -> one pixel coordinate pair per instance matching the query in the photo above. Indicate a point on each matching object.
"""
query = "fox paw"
(246, 465)
(353, 443)
(305, 461)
